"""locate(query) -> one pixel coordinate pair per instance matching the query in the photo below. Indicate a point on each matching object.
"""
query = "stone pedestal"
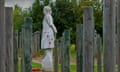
(47, 62)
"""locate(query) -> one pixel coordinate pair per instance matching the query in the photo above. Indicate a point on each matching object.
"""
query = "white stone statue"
(48, 37)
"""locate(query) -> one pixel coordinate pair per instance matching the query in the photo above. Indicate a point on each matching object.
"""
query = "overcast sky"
(22, 3)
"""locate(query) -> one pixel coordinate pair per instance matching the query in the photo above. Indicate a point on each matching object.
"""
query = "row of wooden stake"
(8, 60)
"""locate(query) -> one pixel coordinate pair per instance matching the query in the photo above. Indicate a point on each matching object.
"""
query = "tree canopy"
(66, 14)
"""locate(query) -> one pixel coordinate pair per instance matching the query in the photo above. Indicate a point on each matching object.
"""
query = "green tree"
(64, 17)
(18, 18)
(19, 15)
(37, 15)
(67, 14)
(97, 7)
(46, 2)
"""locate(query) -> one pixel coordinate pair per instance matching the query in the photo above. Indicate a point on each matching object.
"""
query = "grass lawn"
(34, 65)
(72, 67)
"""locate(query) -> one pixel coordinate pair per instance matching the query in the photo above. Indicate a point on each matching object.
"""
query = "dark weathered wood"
(32, 43)
(109, 35)
(116, 30)
(61, 53)
(79, 46)
(9, 39)
(116, 45)
(22, 51)
(99, 48)
(95, 45)
(27, 38)
(95, 52)
(118, 33)
(35, 42)
(56, 56)
(2, 37)
(20, 40)
(88, 33)
(38, 40)
(66, 53)
(15, 47)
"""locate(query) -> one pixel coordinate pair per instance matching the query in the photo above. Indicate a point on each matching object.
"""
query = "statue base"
(47, 62)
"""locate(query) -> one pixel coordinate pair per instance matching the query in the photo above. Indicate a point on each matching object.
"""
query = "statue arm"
(51, 24)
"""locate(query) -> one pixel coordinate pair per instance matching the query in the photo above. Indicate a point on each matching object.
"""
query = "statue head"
(47, 10)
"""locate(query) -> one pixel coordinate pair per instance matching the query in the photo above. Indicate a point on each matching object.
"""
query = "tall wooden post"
(118, 33)
(15, 46)
(9, 39)
(95, 45)
(66, 53)
(88, 33)
(79, 46)
(20, 40)
(56, 56)
(27, 38)
(38, 40)
(99, 48)
(2, 37)
(23, 46)
(32, 43)
(109, 35)
(35, 42)
(61, 53)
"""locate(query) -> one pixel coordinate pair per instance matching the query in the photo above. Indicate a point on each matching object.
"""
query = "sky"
(21, 3)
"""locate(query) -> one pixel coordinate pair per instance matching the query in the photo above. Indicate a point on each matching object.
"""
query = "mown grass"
(72, 67)
(34, 65)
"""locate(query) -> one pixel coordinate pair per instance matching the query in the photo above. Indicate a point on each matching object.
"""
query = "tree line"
(66, 14)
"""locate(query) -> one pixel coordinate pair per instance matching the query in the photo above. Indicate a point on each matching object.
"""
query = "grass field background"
(36, 65)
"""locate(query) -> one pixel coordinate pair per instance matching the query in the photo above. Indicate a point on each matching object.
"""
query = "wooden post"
(22, 51)
(2, 37)
(20, 43)
(35, 42)
(66, 53)
(79, 46)
(116, 30)
(15, 46)
(118, 33)
(61, 53)
(20, 40)
(88, 33)
(32, 44)
(27, 38)
(56, 56)
(109, 35)
(9, 39)
(95, 45)
(38, 40)
(99, 60)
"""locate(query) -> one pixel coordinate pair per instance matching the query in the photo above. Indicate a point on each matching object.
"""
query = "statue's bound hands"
(55, 33)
